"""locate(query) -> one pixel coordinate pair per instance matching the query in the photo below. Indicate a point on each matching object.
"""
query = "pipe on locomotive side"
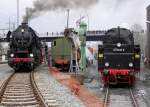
(147, 48)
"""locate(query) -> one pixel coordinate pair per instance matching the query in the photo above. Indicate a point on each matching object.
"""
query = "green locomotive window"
(54, 43)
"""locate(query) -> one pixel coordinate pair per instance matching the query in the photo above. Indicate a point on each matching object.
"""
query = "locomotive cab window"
(54, 43)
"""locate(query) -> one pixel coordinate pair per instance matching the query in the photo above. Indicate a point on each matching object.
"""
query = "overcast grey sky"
(103, 15)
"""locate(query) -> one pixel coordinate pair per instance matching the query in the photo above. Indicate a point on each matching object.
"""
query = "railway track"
(119, 98)
(20, 90)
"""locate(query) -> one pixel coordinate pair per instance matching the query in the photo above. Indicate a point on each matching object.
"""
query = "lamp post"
(27, 14)
(17, 12)
(11, 25)
(68, 10)
(88, 22)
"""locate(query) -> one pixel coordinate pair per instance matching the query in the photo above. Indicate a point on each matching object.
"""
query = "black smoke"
(42, 6)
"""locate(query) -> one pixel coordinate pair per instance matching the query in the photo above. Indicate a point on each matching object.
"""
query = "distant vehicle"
(61, 51)
(25, 50)
(118, 57)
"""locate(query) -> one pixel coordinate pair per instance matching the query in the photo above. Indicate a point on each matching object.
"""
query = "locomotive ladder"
(74, 66)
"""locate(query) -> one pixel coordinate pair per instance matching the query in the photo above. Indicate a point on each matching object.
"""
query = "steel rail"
(37, 91)
(135, 104)
(106, 97)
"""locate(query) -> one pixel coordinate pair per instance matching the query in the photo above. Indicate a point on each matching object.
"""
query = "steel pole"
(17, 12)
(88, 22)
(147, 50)
(68, 10)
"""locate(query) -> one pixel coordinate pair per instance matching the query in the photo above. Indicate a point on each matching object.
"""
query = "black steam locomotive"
(25, 48)
(118, 57)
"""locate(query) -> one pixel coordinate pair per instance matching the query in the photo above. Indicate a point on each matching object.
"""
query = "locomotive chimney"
(27, 13)
(26, 21)
(147, 48)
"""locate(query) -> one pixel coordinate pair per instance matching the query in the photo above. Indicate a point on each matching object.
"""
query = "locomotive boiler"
(25, 48)
(118, 57)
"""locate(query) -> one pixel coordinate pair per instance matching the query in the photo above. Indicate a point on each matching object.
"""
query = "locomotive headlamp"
(118, 44)
(22, 30)
(11, 55)
(106, 64)
(130, 64)
(100, 55)
(31, 55)
(137, 56)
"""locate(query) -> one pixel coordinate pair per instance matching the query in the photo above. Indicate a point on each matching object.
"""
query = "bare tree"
(139, 36)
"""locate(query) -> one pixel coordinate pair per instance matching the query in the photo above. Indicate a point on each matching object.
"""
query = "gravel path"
(142, 88)
(5, 72)
(55, 93)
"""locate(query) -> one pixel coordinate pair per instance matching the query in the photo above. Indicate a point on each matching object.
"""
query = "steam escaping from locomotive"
(42, 6)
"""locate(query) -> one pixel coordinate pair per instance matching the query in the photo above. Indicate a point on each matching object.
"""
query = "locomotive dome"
(122, 35)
